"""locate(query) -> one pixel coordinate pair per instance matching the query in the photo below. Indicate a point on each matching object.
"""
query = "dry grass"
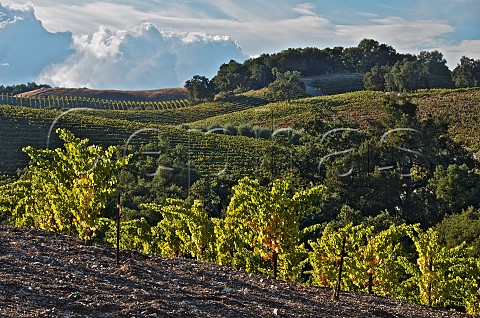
(156, 95)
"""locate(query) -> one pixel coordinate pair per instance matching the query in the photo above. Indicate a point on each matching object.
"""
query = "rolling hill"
(186, 132)
(22, 126)
(157, 95)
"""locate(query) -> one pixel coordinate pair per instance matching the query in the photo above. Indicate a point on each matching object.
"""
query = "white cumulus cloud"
(143, 57)
(26, 47)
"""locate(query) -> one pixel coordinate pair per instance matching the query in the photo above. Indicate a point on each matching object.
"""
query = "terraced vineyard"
(350, 107)
(21, 126)
(56, 102)
(460, 106)
(189, 114)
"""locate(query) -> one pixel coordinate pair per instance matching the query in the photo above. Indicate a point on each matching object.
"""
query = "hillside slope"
(460, 107)
(22, 126)
(156, 95)
(42, 275)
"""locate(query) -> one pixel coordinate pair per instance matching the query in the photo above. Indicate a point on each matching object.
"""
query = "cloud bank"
(26, 47)
(263, 26)
(142, 57)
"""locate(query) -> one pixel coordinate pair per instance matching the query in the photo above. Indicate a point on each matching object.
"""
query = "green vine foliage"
(325, 255)
(445, 276)
(134, 235)
(379, 264)
(261, 228)
(65, 189)
(433, 275)
(185, 230)
(260, 232)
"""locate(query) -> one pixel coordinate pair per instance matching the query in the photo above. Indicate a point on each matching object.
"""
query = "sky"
(158, 43)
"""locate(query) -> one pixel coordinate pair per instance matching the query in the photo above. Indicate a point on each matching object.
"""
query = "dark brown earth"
(43, 275)
(156, 95)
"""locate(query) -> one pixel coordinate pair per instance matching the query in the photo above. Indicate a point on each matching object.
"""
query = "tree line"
(21, 88)
(384, 69)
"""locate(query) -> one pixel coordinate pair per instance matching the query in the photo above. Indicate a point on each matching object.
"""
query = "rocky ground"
(43, 275)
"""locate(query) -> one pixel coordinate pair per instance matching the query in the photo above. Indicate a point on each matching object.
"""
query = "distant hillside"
(22, 126)
(157, 95)
(361, 109)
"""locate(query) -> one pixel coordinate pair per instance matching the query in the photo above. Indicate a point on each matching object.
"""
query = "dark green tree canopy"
(406, 76)
(21, 88)
(375, 79)
(231, 76)
(256, 72)
(383, 66)
(287, 85)
(467, 73)
(367, 54)
(456, 186)
(200, 88)
(435, 62)
(461, 227)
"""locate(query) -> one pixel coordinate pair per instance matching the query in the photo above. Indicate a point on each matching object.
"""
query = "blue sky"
(182, 34)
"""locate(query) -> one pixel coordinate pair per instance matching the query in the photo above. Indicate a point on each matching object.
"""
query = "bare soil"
(48, 275)
(156, 95)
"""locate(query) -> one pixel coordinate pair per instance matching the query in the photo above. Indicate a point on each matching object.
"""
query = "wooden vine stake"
(370, 282)
(274, 264)
(336, 294)
(117, 257)
(430, 268)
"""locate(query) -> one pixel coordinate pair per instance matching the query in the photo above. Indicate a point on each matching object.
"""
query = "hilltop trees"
(467, 73)
(382, 66)
(260, 73)
(200, 88)
(21, 88)
(406, 75)
(375, 79)
(286, 85)
(435, 63)
(333, 60)
(231, 76)
(367, 54)
(256, 73)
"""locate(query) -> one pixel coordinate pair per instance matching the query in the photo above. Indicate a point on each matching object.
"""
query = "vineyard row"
(57, 102)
